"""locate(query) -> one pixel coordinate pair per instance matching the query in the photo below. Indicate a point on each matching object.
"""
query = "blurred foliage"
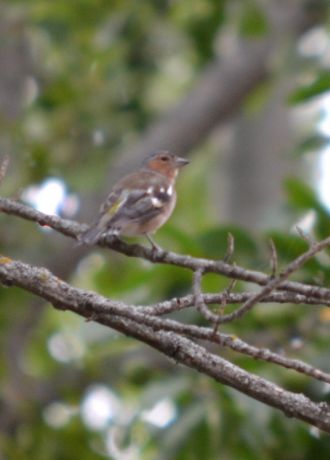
(314, 142)
(319, 86)
(253, 20)
(102, 71)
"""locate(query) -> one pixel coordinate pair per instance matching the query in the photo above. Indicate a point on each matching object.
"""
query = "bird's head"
(165, 163)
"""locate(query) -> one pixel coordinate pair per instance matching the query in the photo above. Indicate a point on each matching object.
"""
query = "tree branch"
(165, 335)
(73, 229)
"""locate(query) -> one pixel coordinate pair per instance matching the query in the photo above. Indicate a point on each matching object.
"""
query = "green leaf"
(301, 195)
(320, 85)
(314, 142)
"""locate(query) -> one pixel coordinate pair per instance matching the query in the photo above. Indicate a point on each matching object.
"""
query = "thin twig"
(273, 258)
(199, 302)
(230, 248)
(224, 298)
(309, 240)
(276, 282)
(4, 167)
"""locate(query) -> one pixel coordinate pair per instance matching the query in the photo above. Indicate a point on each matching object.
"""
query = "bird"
(139, 203)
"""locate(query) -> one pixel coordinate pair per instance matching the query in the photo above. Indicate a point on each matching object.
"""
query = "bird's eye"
(164, 158)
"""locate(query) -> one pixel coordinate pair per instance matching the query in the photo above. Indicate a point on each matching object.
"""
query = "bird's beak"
(180, 162)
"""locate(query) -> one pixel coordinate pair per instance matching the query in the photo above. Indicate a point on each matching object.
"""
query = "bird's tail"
(91, 235)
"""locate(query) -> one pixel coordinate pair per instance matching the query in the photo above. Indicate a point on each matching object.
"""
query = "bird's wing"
(136, 205)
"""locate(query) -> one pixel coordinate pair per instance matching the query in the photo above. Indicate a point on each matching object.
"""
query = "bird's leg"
(154, 246)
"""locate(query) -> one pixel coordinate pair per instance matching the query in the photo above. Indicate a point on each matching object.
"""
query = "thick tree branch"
(167, 336)
(185, 351)
(92, 306)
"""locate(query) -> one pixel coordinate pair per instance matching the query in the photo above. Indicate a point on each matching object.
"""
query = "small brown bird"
(140, 202)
